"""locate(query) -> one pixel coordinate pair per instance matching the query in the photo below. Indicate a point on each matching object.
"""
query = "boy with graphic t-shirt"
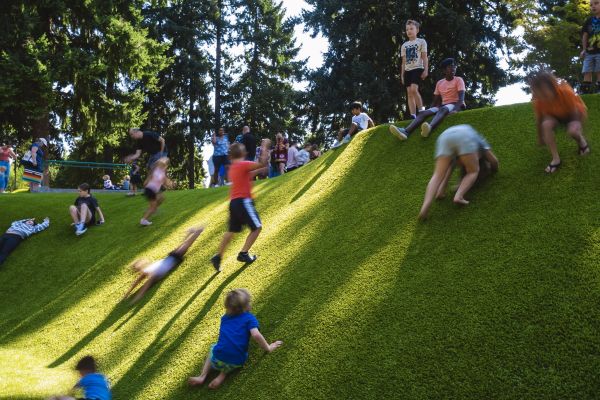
(360, 122)
(83, 212)
(241, 208)
(415, 66)
(591, 49)
(449, 98)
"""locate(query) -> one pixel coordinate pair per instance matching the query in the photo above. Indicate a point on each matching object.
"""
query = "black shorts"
(136, 180)
(242, 212)
(219, 161)
(150, 194)
(176, 256)
(413, 77)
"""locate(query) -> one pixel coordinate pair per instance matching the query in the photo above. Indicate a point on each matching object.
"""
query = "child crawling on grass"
(154, 272)
(94, 385)
(230, 352)
(155, 186)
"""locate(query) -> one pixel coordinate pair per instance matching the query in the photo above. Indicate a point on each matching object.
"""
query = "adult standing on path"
(34, 159)
(147, 142)
(249, 141)
(6, 154)
(220, 156)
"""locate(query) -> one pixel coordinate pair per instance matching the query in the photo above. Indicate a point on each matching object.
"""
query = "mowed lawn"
(498, 300)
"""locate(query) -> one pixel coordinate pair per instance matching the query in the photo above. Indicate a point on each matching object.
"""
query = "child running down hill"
(155, 185)
(154, 272)
(230, 352)
(241, 208)
(555, 103)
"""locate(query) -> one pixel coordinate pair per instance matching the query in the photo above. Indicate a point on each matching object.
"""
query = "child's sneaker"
(80, 229)
(336, 144)
(246, 258)
(400, 133)
(413, 116)
(216, 262)
(425, 129)
(346, 139)
(145, 222)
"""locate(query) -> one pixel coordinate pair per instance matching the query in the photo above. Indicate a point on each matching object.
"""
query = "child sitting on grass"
(241, 208)
(360, 122)
(555, 103)
(155, 185)
(230, 352)
(449, 98)
(108, 185)
(154, 272)
(83, 212)
(126, 183)
(19, 231)
(94, 385)
(460, 144)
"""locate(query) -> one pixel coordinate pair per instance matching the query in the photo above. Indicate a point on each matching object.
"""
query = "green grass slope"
(496, 300)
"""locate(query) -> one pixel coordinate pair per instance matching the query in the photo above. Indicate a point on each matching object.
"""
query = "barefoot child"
(460, 144)
(156, 271)
(230, 352)
(153, 191)
(83, 212)
(94, 385)
(555, 103)
(241, 208)
(415, 66)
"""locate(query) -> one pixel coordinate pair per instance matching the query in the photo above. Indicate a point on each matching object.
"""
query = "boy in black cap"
(449, 98)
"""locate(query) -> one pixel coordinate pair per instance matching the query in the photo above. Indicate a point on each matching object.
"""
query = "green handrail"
(87, 164)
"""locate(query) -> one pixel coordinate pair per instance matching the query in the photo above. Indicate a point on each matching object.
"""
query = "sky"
(313, 48)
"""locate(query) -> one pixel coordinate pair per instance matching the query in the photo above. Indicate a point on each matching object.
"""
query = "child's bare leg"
(199, 380)
(441, 193)
(218, 381)
(575, 130)
(84, 214)
(412, 105)
(135, 283)
(189, 241)
(151, 209)
(225, 242)
(471, 164)
(418, 98)
(439, 117)
(74, 214)
(151, 280)
(547, 126)
(250, 240)
(442, 165)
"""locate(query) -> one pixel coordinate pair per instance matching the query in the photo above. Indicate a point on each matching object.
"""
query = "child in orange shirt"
(555, 103)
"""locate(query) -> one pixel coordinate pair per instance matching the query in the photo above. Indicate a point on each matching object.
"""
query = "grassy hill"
(496, 300)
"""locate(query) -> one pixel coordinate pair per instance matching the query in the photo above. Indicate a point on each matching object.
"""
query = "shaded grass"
(497, 300)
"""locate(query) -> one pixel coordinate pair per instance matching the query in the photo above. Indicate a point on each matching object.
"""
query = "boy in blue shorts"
(590, 40)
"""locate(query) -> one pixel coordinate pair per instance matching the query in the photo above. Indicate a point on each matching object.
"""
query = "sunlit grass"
(497, 300)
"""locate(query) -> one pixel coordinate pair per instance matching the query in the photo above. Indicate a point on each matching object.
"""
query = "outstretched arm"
(40, 227)
(262, 342)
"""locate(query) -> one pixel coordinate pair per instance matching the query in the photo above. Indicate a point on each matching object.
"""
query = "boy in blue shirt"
(590, 41)
(231, 350)
(94, 385)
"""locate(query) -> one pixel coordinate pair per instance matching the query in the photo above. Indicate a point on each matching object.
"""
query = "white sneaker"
(346, 139)
(80, 229)
(336, 144)
(145, 222)
(400, 133)
(425, 129)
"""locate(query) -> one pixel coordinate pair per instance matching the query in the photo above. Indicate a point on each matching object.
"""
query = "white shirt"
(362, 120)
(413, 52)
(161, 268)
(303, 157)
(292, 157)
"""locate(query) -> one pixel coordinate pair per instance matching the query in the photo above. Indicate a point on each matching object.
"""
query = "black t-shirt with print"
(592, 28)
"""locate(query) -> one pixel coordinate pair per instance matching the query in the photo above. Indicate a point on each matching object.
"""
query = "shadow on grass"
(325, 165)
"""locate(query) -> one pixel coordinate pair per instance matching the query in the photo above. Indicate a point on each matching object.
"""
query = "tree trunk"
(218, 65)
(191, 170)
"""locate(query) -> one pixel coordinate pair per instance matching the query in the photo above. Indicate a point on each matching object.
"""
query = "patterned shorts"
(221, 366)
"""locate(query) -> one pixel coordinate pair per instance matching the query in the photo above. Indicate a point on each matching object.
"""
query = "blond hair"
(106, 177)
(237, 301)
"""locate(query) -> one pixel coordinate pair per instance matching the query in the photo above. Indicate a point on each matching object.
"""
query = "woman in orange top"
(555, 102)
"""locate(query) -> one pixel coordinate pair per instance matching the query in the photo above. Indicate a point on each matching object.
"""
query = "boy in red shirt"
(241, 208)
(449, 98)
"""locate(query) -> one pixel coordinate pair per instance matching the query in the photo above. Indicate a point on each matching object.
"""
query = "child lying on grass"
(94, 385)
(19, 231)
(231, 350)
(154, 272)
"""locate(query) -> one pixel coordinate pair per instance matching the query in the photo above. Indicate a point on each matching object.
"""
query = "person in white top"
(360, 122)
(154, 272)
(304, 155)
(292, 162)
(415, 66)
